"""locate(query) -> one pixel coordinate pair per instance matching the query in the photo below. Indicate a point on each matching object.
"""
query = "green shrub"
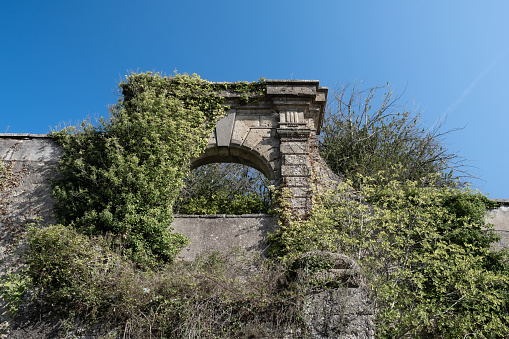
(217, 295)
(424, 251)
(123, 176)
(223, 203)
(13, 288)
(226, 188)
(76, 273)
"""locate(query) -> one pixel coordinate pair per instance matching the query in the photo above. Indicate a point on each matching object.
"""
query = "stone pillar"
(294, 134)
(300, 105)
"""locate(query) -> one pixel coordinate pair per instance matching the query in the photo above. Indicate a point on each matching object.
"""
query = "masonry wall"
(33, 160)
(500, 219)
(224, 232)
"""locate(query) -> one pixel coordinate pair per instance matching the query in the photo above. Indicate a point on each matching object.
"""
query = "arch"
(239, 155)
(274, 133)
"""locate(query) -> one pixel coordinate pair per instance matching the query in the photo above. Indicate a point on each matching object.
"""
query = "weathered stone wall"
(500, 219)
(32, 161)
(221, 232)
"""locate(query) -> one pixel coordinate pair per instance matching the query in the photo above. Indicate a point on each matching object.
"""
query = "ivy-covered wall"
(36, 157)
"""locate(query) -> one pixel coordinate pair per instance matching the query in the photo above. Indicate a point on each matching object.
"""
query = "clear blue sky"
(62, 60)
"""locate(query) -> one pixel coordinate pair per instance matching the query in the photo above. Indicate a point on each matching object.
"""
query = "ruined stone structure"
(275, 134)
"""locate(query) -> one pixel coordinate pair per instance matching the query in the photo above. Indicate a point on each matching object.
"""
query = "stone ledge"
(504, 202)
(216, 216)
(23, 136)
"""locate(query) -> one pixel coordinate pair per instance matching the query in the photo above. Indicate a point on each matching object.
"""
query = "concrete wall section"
(500, 219)
(222, 232)
(31, 161)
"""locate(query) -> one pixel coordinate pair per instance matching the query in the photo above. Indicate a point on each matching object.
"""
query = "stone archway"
(275, 134)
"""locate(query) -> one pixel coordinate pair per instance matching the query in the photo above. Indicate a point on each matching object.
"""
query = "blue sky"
(62, 60)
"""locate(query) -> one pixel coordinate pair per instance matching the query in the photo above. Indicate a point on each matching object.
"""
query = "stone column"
(294, 135)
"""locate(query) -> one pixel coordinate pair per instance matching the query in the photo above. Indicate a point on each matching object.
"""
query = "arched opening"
(224, 188)
(236, 154)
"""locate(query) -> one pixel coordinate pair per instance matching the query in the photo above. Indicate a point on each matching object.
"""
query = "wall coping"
(217, 216)
(23, 136)
(279, 81)
(504, 202)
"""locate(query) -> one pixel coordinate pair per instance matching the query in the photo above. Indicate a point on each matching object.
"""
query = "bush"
(217, 295)
(359, 138)
(424, 251)
(226, 188)
(123, 176)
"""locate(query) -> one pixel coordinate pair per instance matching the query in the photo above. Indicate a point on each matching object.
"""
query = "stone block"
(240, 132)
(296, 159)
(299, 203)
(224, 129)
(268, 121)
(264, 147)
(255, 136)
(252, 120)
(221, 233)
(299, 192)
(287, 89)
(297, 181)
(293, 147)
(294, 171)
(321, 96)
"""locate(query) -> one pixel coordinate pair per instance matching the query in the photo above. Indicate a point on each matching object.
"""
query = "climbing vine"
(122, 176)
(249, 91)
(424, 253)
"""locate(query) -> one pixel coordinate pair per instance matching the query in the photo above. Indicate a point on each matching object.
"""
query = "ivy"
(247, 91)
(122, 176)
(424, 252)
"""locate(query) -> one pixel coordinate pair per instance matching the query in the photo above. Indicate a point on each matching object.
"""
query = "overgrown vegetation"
(361, 136)
(420, 240)
(110, 261)
(224, 189)
(123, 176)
(425, 252)
(217, 295)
